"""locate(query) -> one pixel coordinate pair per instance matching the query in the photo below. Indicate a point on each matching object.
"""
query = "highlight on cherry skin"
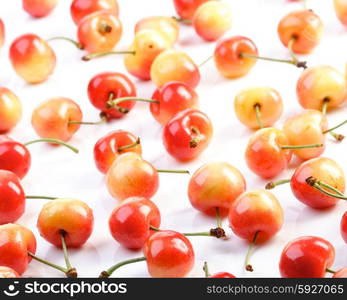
(10, 110)
(32, 58)
(39, 8)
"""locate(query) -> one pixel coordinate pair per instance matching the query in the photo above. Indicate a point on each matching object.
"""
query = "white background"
(59, 172)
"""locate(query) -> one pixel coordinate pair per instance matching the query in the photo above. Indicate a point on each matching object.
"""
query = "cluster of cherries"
(217, 189)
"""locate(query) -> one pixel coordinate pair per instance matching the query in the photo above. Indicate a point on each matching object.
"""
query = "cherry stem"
(258, 115)
(195, 140)
(52, 141)
(217, 232)
(205, 61)
(173, 171)
(299, 64)
(335, 127)
(302, 146)
(218, 218)
(120, 100)
(330, 271)
(181, 20)
(110, 104)
(91, 56)
(325, 106)
(337, 136)
(103, 120)
(108, 272)
(45, 262)
(77, 44)
(291, 52)
(71, 270)
(132, 145)
(273, 184)
(317, 184)
(41, 197)
(248, 266)
(205, 269)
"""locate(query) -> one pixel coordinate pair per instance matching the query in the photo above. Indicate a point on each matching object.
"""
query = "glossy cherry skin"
(2, 33)
(147, 45)
(168, 254)
(343, 227)
(81, 8)
(304, 26)
(256, 211)
(173, 97)
(39, 8)
(99, 31)
(10, 110)
(212, 20)
(32, 58)
(12, 197)
(6, 272)
(215, 185)
(51, 118)
(306, 257)
(264, 155)
(228, 56)
(130, 222)
(306, 127)
(106, 149)
(186, 8)
(182, 129)
(73, 217)
(270, 106)
(324, 169)
(174, 65)
(342, 273)
(131, 176)
(341, 10)
(222, 275)
(103, 84)
(15, 242)
(321, 83)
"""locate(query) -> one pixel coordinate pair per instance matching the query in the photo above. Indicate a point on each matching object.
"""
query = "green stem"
(287, 61)
(204, 233)
(181, 20)
(258, 115)
(328, 186)
(76, 44)
(302, 146)
(205, 61)
(108, 272)
(41, 197)
(330, 271)
(205, 269)
(218, 218)
(102, 121)
(212, 232)
(315, 184)
(251, 247)
(52, 141)
(173, 171)
(273, 184)
(43, 261)
(325, 106)
(335, 127)
(106, 53)
(71, 271)
(291, 52)
(126, 147)
(120, 100)
(110, 104)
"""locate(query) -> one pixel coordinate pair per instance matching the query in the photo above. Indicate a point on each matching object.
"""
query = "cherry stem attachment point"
(105, 28)
(52, 141)
(302, 146)
(132, 145)
(41, 197)
(109, 272)
(196, 139)
(299, 64)
(319, 185)
(258, 115)
(248, 266)
(77, 44)
(273, 184)
(110, 104)
(181, 20)
(45, 262)
(205, 269)
(71, 271)
(173, 171)
(91, 56)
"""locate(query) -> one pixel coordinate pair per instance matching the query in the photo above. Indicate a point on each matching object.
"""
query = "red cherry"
(130, 221)
(187, 134)
(344, 227)
(110, 146)
(6, 272)
(341, 273)
(306, 257)
(222, 275)
(15, 243)
(2, 33)
(108, 86)
(186, 8)
(39, 8)
(12, 197)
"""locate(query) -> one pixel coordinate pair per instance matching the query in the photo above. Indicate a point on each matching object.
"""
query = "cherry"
(105, 87)
(344, 227)
(306, 257)
(130, 222)
(110, 146)
(2, 33)
(341, 10)
(6, 272)
(99, 31)
(15, 243)
(186, 8)
(167, 253)
(258, 107)
(39, 8)
(217, 275)
(341, 273)
(10, 110)
(174, 65)
(212, 20)
(300, 30)
(81, 8)
(187, 134)
(215, 185)
(255, 216)
(32, 58)
(321, 88)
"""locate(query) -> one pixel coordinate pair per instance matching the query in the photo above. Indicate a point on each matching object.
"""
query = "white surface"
(59, 172)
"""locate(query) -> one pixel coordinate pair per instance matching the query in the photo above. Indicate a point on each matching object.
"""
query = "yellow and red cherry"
(341, 10)
(212, 20)
(343, 227)
(216, 275)
(258, 107)
(2, 33)
(6, 272)
(187, 8)
(32, 58)
(39, 8)
(10, 110)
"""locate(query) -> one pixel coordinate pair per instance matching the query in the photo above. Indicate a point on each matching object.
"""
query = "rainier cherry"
(306, 256)
(110, 146)
(187, 134)
(6, 272)
(341, 10)
(255, 216)
(2, 33)
(81, 8)
(186, 8)
(10, 110)
(215, 186)
(32, 58)
(130, 222)
(300, 31)
(39, 8)
(217, 275)
(344, 227)
(258, 107)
